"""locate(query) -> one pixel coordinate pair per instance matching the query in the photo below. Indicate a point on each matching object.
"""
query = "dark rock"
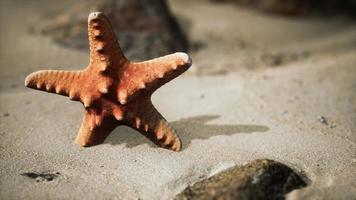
(145, 28)
(322, 120)
(39, 177)
(260, 179)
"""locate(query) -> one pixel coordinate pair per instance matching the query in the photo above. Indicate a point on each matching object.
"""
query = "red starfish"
(114, 90)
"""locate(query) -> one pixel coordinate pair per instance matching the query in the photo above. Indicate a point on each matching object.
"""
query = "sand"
(232, 107)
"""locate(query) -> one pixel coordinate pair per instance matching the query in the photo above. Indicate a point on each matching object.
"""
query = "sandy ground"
(230, 108)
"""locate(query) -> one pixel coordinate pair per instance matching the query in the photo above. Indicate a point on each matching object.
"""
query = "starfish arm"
(55, 81)
(150, 123)
(105, 52)
(150, 75)
(94, 128)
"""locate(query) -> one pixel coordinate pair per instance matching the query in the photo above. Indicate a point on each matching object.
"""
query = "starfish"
(114, 90)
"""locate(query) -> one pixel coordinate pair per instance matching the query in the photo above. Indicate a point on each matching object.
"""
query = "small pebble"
(6, 114)
(322, 119)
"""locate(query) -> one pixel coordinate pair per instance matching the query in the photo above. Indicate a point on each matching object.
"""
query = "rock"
(322, 120)
(39, 177)
(259, 179)
(139, 26)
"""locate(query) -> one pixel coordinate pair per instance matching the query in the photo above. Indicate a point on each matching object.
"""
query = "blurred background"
(221, 35)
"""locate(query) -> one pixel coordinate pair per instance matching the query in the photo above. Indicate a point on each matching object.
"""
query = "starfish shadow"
(188, 129)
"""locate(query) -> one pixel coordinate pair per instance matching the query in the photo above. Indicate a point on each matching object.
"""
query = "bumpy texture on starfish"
(114, 90)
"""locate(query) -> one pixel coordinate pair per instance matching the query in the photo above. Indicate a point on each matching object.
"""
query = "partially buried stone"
(259, 179)
(39, 177)
(139, 25)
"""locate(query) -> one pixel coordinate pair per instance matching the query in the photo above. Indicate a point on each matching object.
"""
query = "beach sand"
(260, 88)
